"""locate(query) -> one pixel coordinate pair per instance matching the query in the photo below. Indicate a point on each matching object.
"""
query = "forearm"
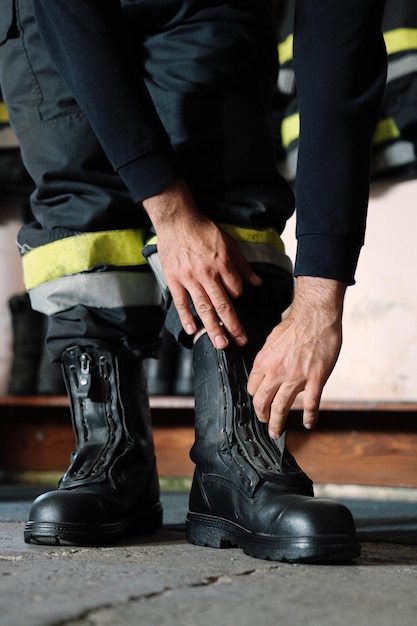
(340, 66)
(299, 354)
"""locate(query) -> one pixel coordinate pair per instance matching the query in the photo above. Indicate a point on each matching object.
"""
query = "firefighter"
(147, 131)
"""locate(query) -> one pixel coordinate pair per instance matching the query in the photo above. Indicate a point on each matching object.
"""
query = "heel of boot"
(207, 531)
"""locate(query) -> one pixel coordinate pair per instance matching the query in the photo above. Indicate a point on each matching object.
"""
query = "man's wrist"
(164, 207)
(314, 291)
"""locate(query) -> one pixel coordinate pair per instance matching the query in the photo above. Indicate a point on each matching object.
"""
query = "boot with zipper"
(111, 488)
(248, 490)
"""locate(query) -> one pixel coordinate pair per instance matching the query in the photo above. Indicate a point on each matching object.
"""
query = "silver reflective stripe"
(263, 253)
(105, 290)
(402, 66)
(393, 155)
(253, 253)
(288, 167)
(286, 81)
(155, 265)
(7, 138)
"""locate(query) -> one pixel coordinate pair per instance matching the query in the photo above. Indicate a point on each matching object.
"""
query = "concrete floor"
(162, 580)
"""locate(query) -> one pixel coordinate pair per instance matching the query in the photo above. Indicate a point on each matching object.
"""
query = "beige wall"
(11, 281)
(379, 354)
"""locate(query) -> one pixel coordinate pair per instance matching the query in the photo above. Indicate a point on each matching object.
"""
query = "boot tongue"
(270, 458)
(280, 443)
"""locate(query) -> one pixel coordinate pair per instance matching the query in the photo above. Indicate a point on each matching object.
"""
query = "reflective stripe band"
(400, 40)
(285, 49)
(397, 40)
(386, 130)
(402, 67)
(253, 253)
(7, 138)
(152, 241)
(64, 257)
(4, 115)
(155, 265)
(258, 245)
(290, 129)
(104, 290)
(286, 81)
(268, 236)
(263, 253)
(397, 154)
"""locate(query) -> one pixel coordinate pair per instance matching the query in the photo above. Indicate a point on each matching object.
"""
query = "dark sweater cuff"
(325, 256)
(149, 174)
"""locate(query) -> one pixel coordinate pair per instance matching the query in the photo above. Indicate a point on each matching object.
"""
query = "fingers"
(282, 404)
(246, 272)
(272, 405)
(274, 412)
(273, 399)
(180, 299)
(215, 311)
(311, 404)
(208, 269)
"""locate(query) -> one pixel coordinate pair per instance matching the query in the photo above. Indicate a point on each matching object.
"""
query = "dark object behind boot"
(161, 372)
(28, 337)
(50, 379)
(184, 385)
(247, 489)
(111, 488)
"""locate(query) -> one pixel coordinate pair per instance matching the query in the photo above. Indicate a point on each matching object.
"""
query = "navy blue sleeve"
(340, 68)
(88, 44)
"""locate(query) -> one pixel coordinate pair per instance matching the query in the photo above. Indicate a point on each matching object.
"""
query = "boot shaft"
(110, 415)
(228, 433)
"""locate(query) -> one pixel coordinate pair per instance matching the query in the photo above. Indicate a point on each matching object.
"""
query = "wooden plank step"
(364, 444)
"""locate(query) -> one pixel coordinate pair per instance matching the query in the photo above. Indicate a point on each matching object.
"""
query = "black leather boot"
(111, 488)
(247, 489)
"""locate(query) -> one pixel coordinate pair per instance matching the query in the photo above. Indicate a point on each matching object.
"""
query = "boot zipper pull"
(84, 380)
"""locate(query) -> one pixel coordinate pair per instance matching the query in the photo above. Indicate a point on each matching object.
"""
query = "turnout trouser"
(82, 254)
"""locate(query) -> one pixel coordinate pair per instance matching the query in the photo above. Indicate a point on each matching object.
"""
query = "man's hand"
(299, 354)
(200, 260)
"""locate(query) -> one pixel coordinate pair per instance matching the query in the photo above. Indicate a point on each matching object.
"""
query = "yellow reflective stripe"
(386, 130)
(400, 40)
(268, 236)
(152, 241)
(290, 129)
(4, 116)
(120, 248)
(285, 49)
(397, 40)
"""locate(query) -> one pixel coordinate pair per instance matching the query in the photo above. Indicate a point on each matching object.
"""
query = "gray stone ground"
(162, 580)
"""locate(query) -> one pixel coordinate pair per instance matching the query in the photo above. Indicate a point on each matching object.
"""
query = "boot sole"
(215, 532)
(147, 521)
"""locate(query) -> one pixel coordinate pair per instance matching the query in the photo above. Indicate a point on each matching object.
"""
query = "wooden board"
(364, 445)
